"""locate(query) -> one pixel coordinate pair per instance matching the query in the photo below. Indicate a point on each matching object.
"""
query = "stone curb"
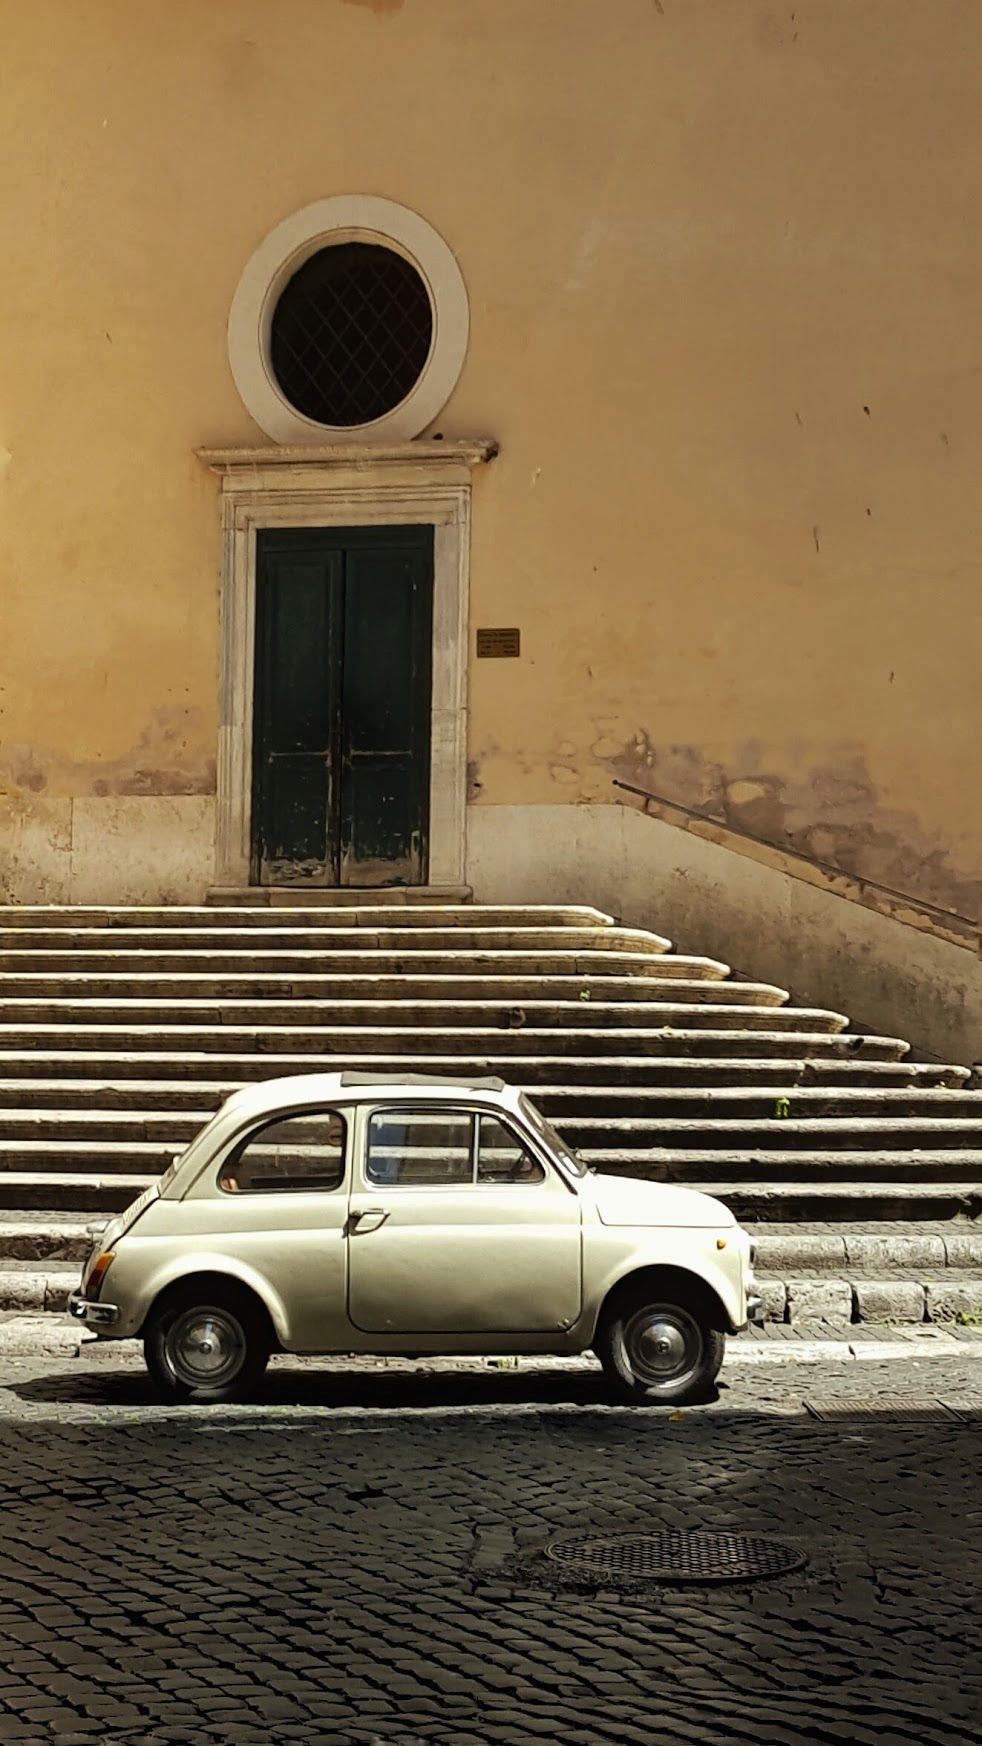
(816, 1297)
(39, 1336)
(845, 1351)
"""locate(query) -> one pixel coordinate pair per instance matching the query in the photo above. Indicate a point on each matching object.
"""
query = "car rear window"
(300, 1154)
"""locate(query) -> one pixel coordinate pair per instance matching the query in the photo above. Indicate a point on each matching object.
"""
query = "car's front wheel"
(659, 1351)
(207, 1345)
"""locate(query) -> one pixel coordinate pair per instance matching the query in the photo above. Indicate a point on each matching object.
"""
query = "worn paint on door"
(341, 758)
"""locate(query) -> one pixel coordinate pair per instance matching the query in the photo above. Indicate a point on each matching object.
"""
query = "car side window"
(501, 1155)
(299, 1154)
(451, 1148)
(420, 1148)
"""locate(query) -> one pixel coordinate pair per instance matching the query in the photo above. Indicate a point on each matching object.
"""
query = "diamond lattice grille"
(351, 334)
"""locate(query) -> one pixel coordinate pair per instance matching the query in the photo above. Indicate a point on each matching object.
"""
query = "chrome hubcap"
(205, 1347)
(663, 1344)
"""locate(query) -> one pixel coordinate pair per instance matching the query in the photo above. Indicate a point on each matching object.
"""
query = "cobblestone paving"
(335, 1563)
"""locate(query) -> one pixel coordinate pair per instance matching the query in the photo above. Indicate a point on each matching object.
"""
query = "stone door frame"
(342, 486)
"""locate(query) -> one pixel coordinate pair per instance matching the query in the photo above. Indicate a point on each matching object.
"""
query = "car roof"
(425, 1081)
(297, 1088)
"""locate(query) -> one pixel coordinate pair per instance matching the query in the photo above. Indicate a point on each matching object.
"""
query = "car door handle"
(368, 1220)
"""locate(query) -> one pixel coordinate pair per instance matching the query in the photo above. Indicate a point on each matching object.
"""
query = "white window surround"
(425, 482)
(346, 218)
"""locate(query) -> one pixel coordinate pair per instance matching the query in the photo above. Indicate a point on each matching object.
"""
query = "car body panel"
(289, 1249)
(376, 1267)
(627, 1200)
(613, 1255)
(498, 1259)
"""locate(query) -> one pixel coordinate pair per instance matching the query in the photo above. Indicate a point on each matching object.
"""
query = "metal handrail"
(799, 855)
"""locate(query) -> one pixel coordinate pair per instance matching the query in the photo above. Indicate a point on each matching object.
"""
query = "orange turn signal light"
(97, 1275)
(720, 1244)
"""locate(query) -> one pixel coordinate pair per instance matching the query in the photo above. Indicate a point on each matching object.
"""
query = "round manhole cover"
(672, 1555)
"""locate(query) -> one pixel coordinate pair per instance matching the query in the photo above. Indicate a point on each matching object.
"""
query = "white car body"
(454, 1266)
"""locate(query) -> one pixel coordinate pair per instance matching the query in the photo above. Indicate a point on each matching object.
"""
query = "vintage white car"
(339, 1213)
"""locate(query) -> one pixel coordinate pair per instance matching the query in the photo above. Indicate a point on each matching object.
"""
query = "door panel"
(298, 642)
(386, 715)
(342, 710)
(296, 823)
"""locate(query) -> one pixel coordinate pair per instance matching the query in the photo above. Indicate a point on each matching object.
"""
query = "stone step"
(761, 1075)
(806, 1203)
(857, 1297)
(886, 1170)
(739, 1164)
(383, 990)
(96, 1155)
(349, 898)
(239, 916)
(868, 1250)
(396, 1015)
(278, 1042)
(137, 966)
(68, 1189)
(656, 1063)
(45, 1238)
(348, 945)
(912, 1134)
(456, 970)
(26, 1285)
(611, 1086)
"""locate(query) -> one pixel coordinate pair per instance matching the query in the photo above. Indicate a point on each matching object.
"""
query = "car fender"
(720, 1270)
(188, 1266)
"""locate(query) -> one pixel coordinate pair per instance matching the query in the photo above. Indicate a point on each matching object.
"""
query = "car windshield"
(564, 1153)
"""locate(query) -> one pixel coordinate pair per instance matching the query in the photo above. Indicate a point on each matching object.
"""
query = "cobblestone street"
(342, 1562)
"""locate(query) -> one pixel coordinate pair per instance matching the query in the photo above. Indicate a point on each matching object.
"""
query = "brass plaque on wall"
(498, 642)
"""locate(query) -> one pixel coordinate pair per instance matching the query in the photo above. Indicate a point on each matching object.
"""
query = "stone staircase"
(122, 1029)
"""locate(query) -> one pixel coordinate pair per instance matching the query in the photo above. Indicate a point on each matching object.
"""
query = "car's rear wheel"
(206, 1345)
(662, 1352)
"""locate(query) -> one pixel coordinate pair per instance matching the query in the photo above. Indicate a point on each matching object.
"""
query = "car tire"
(657, 1351)
(207, 1344)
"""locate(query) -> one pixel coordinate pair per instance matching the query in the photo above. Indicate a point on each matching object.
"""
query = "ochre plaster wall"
(725, 274)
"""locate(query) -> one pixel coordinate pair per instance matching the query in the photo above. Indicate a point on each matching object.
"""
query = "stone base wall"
(112, 849)
(826, 950)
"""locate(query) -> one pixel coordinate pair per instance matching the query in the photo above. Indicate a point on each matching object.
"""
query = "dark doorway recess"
(341, 753)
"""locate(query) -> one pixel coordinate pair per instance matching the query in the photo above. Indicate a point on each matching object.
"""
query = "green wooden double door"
(341, 754)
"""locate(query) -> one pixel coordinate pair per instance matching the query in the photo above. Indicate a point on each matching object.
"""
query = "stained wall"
(725, 276)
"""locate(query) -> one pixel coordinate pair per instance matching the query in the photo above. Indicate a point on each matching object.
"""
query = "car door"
(456, 1227)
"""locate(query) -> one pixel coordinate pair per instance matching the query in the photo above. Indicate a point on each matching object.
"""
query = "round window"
(351, 334)
(349, 324)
